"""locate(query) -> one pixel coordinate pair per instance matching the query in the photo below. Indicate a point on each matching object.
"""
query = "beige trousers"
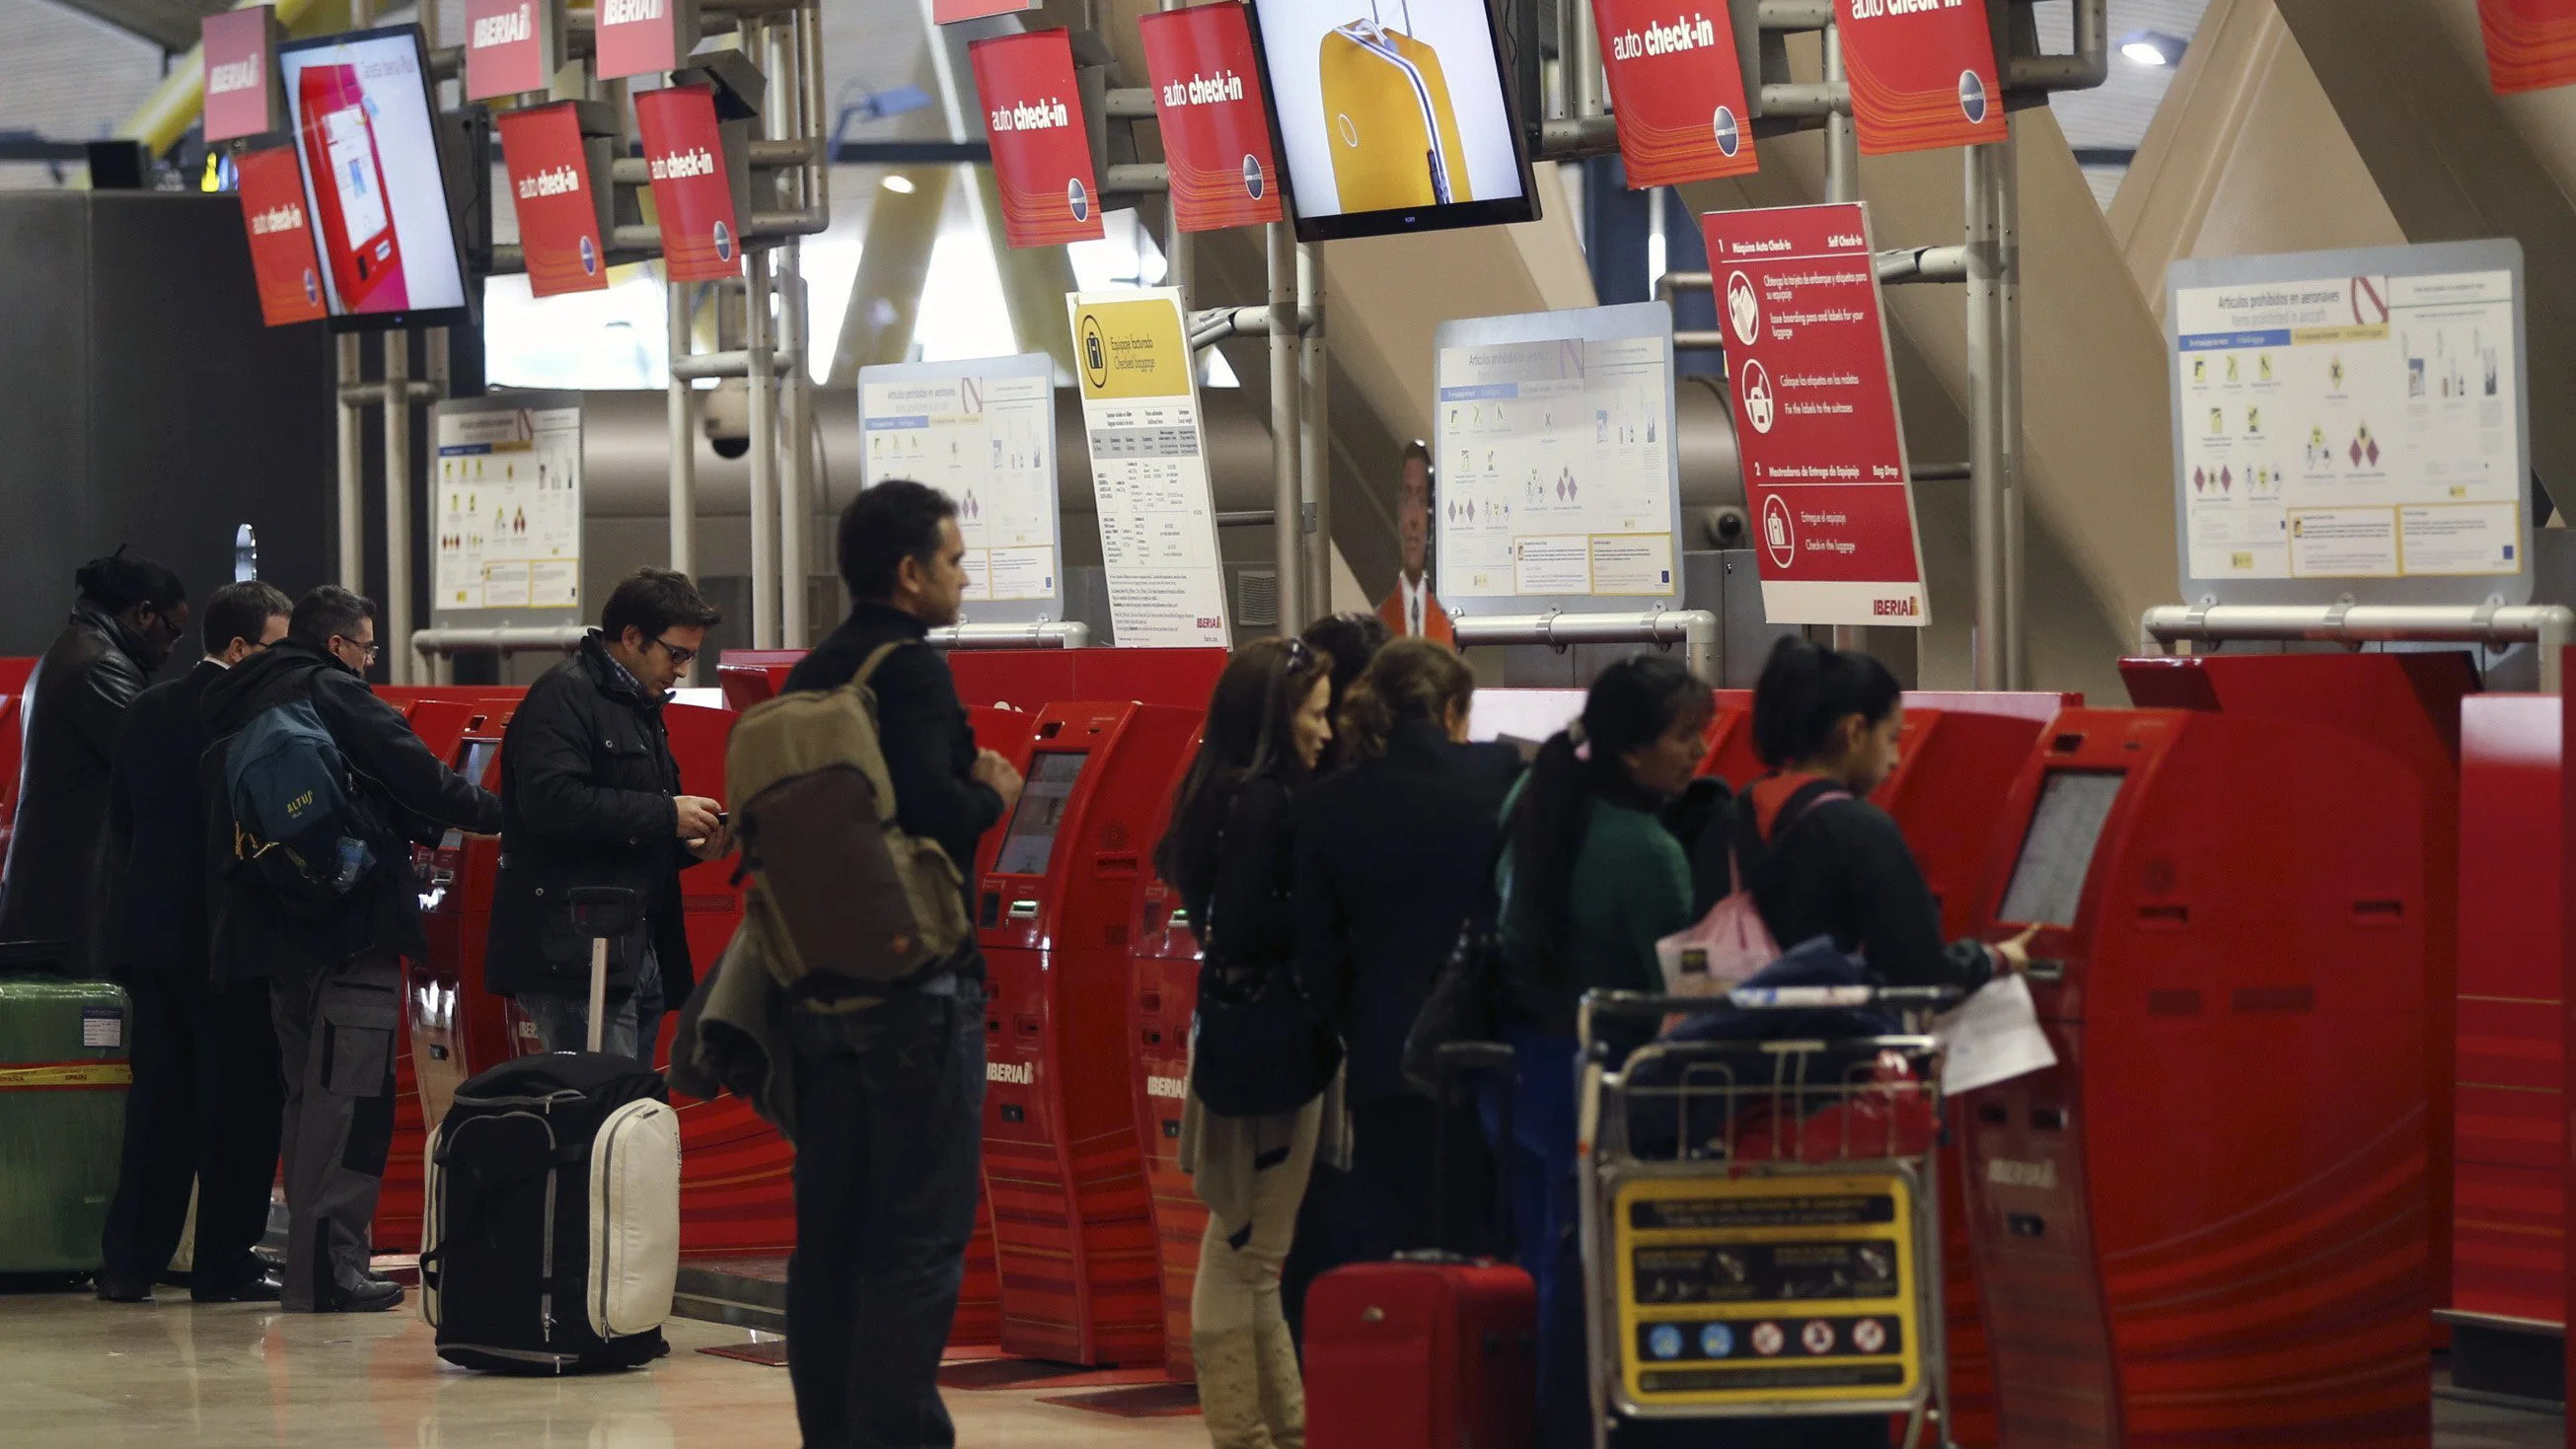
(1247, 1364)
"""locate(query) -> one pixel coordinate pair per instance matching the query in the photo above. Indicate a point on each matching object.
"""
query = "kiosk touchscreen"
(458, 1028)
(1081, 1281)
(1163, 998)
(2207, 1225)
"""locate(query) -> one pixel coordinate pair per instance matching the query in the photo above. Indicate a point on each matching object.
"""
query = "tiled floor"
(75, 1374)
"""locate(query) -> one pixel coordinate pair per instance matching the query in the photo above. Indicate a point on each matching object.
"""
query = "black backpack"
(551, 1236)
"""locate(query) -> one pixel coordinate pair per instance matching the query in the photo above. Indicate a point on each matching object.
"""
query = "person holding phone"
(590, 796)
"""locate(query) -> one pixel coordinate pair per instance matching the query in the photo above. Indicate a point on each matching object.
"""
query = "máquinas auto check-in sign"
(1815, 416)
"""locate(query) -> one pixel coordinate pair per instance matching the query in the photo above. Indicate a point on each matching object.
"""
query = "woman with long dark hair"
(1391, 857)
(1350, 640)
(1230, 853)
(1590, 879)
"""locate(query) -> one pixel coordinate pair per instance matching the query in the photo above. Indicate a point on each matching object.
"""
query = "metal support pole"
(1314, 431)
(795, 450)
(2007, 185)
(764, 455)
(1583, 67)
(1284, 473)
(1986, 460)
(395, 624)
(684, 439)
(1842, 138)
(351, 498)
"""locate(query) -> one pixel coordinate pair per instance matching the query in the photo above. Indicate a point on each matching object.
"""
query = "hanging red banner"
(1215, 119)
(1041, 148)
(1922, 74)
(1815, 415)
(243, 98)
(1677, 88)
(684, 156)
(557, 199)
(283, 259)
(2531, 44)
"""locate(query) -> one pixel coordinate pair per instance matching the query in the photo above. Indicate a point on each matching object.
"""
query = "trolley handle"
(1632, 1004)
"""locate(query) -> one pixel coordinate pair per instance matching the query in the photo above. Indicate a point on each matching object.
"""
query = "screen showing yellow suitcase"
(1394, 133)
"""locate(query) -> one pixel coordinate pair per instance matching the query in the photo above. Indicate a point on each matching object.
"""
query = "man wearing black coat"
(590, 796)
(334, 977)
(890, 1099)
(130, 614)
(206, 1095)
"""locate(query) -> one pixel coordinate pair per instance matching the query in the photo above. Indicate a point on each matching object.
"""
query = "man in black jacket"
(890, 1099)
(206, 1094)
(590, 796)
(334, 977)
(130, 614)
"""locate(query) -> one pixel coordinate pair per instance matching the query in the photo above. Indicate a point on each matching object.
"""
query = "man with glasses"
(334, 972)
(590, 796)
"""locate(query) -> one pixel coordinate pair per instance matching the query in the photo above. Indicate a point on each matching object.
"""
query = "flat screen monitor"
(361, 108)
(2048, 881)
(1394, 115)
(1030, 842)
(478, 759)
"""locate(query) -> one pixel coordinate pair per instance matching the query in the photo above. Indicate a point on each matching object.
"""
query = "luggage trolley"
(1761, 1220)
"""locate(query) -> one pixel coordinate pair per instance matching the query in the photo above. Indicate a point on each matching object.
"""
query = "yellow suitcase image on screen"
(1395, 135)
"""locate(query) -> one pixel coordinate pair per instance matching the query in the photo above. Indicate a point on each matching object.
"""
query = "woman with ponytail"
(1590, 879)
(1391, 858)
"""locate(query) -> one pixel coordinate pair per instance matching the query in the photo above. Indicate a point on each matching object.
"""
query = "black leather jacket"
(73, 714)
(586, 784)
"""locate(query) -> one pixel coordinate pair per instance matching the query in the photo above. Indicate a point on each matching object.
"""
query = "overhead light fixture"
(899, 184)
(2153, 48)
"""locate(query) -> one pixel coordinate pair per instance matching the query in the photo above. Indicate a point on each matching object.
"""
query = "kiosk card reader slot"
(2207, 1225)
(1081, 1280)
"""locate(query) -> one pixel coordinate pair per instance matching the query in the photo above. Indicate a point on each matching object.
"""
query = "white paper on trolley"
(1993, 1036)
(506, 510)
(982, 432)
(1149, 475)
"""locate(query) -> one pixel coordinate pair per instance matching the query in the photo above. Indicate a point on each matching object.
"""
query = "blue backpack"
(294, 819)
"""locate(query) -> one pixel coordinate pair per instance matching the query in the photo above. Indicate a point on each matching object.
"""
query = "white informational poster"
(1149, 476)
(1555, 459)
(2356, 424)
(982, 432)
(507, 505)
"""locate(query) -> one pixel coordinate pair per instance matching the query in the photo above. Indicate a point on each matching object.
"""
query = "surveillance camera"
(726, 417)
(730, 449)
(1726, 528)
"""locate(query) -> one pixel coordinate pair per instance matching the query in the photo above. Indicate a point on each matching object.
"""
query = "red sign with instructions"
(1677, 87)
(1922, 74)
(2531, 44)
(283, 259)
(642, 37)
(558, 204)
(1815, 416)
(692, 195)
(1214, 116)
(242, 93)
(1041, 148)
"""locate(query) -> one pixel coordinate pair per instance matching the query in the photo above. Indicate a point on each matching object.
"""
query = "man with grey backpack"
(890, 1083)
(314, 791)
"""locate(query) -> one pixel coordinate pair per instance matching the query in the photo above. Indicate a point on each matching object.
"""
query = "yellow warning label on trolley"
(67, 1074)
(1771, 1289)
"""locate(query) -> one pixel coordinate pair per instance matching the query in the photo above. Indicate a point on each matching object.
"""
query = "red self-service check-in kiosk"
(457, 1027)
(979, 1296)
(1071, 1222)
(2207, 1225)
(1162, 1000)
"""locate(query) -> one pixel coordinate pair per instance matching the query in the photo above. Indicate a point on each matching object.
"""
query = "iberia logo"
(1908, 607)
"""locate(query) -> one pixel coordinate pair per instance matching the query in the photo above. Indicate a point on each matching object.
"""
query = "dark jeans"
(205, 1108)
(889, 1136)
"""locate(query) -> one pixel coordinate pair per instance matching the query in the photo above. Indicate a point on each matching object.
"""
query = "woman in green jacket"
(1590, 879)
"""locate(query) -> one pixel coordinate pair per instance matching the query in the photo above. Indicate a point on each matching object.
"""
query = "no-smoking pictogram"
(1768, 1340)
(1818, 1336)
(1869, 1335)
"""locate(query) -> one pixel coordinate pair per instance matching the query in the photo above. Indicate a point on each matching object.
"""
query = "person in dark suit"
(1392, 857)
(206, 1094)
(130, 614)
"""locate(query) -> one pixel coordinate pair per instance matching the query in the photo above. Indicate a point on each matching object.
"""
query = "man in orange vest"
(1412, 610)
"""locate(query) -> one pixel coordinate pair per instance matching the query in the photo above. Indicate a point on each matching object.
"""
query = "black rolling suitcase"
(552, 1227)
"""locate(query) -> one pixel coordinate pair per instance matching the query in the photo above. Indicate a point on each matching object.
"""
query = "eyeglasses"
(679, 657)
(365, 651)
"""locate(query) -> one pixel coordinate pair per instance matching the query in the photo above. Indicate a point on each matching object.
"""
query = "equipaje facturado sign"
(1149, 474)
(1816, 423)
(981, 431)
(2352, 424)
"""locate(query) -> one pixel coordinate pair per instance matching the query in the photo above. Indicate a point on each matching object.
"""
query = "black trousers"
(889, 1146)
(204, 1109)
(1410, 1187)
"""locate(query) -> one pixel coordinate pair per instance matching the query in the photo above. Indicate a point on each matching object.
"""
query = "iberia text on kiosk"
(1815, 416)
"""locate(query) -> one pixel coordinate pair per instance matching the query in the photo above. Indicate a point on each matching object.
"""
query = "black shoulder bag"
(1463, 1005)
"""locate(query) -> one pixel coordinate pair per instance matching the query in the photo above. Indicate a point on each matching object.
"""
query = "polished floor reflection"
(76, 1374)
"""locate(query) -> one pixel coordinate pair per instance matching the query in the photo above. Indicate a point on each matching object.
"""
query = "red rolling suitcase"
(1431, 1351)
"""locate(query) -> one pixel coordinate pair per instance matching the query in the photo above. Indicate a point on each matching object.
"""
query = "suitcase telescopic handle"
(601, 913)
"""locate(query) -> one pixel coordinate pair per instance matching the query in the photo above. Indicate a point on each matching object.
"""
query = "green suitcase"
(64, 1073)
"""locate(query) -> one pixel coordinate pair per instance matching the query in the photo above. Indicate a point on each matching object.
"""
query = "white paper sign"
(982, 432)
(507, 503)
(1993, 1036)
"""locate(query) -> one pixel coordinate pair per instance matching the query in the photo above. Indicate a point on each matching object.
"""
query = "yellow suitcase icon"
(1395, 135)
